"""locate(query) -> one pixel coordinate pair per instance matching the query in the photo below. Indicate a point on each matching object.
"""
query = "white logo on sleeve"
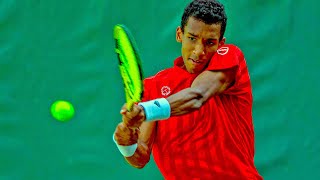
(223, 50)
(165, 90)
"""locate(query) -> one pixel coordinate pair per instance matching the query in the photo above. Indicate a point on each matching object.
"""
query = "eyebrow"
(194, 35)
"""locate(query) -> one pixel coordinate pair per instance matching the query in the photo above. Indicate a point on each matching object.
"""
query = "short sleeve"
(227, 56)
(146, 89)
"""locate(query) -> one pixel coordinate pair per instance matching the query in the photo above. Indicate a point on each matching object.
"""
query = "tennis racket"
(129, 64)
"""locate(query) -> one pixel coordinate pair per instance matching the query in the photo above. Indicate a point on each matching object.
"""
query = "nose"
(199, 49)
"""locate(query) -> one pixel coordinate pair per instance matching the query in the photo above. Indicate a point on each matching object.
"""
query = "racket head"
(129, 64)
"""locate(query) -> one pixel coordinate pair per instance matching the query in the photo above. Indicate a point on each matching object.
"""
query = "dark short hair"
(207, 11)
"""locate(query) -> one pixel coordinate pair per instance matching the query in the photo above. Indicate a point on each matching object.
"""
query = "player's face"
(199, 42)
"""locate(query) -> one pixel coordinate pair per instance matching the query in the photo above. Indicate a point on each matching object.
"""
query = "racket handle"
(130, 105)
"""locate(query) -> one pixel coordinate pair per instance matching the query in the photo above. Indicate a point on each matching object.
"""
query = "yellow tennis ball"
(62, 110)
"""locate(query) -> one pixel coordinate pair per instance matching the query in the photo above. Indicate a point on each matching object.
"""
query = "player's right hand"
(125, 135)
(134, 118)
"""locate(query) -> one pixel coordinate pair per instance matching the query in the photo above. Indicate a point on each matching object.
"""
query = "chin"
(193, 71)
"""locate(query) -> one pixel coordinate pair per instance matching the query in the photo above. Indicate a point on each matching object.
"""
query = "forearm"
(203, 87)
(185, 101)
(190, 99)
(135, 143)
(141, 157)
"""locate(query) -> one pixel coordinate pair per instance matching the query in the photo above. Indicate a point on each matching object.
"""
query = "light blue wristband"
(126, 151)
(157, 109)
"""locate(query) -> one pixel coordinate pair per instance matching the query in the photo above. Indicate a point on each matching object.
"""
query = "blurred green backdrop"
(58, 49)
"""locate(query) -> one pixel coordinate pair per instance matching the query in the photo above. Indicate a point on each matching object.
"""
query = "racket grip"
(129, 105)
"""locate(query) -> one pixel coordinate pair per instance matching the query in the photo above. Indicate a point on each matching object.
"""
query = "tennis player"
(195, 117)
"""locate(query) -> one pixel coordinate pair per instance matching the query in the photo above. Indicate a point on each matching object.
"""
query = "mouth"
(195, 61)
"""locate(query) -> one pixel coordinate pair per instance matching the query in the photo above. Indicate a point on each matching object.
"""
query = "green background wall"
(58, 49)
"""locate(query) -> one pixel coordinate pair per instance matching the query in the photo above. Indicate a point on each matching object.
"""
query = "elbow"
(196, 99)
(141, 164)
(200, 96)
(137, 166)
(197, 104)
(139, 160)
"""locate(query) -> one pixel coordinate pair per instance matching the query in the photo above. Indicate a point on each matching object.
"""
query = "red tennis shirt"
(215, 142)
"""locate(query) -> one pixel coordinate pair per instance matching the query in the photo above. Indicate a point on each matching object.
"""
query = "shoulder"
(161, 76)
(229, 49)
(153, 84)
(242, 78)
(226, 57)
(229, 53)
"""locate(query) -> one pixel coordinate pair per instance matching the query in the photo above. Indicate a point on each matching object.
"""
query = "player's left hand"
(133, 118)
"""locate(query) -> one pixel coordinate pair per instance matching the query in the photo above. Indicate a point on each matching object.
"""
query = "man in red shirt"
(206, 101)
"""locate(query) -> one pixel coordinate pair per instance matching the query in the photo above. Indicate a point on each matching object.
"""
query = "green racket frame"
(129, 64)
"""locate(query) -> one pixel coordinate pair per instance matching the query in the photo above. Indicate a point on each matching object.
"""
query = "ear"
(179, 34)
(223, 40)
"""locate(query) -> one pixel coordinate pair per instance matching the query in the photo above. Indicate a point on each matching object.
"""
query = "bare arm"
(207, 84)
(142, 133)
(146, 137)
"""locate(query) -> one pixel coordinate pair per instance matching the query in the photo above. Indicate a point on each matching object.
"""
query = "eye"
(192, 38)
(210, 43)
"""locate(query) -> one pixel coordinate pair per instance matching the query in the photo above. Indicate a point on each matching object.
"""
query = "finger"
(137, 114)
(140, 115)
(130, 122)
(136, 109)
(126, 120)
(131, 114)
(124, 135)
(123, 109)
